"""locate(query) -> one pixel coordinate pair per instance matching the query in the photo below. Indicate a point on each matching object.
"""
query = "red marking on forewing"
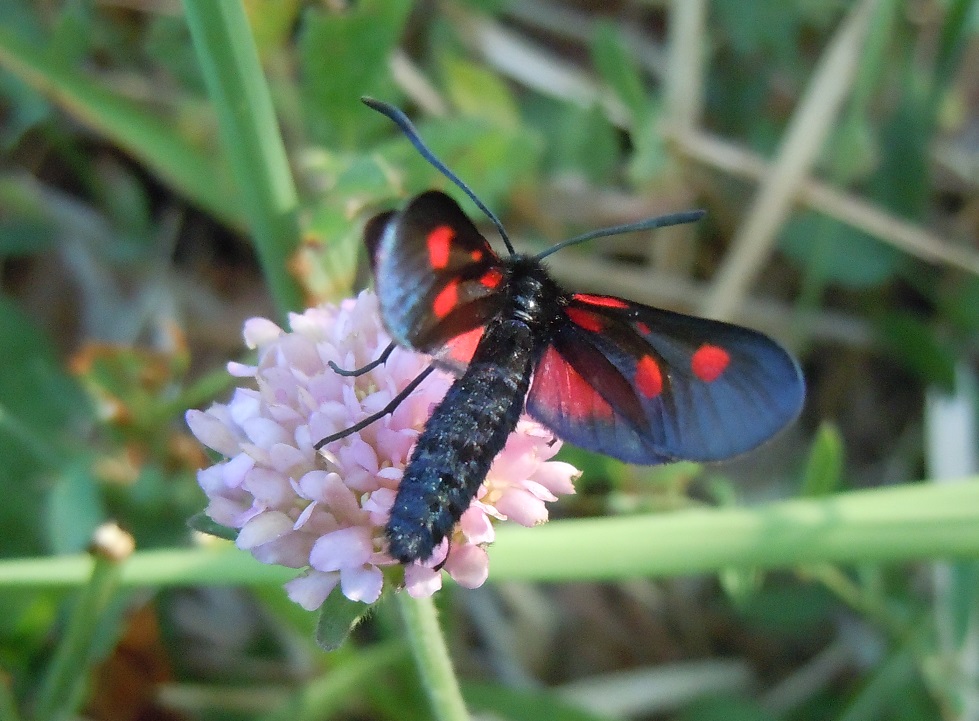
(643, 328)
(602, 300)
(439, 242)
(649, 379)
(476, 254)
(461, 348)
(709, 362)
(559, 386)
(446, 300)
(588, 321)
(491, 278)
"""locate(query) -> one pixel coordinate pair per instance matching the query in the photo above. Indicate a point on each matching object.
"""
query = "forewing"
(648, 385)
(436, 277)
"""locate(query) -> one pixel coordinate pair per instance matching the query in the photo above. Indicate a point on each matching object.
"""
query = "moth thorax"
(531, 294)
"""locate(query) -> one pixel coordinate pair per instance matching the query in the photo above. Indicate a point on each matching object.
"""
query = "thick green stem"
(65, 683)
(432, 658)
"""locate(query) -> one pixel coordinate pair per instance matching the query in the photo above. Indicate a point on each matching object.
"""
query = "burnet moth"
(638, 383)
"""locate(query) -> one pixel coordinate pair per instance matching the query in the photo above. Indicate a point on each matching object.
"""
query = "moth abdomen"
(466, 431)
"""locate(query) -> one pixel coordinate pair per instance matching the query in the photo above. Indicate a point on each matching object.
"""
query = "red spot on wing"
(446, 300)
(558, 386)
(709, 362)
(643, 328)
(491, 278)
(439, 242)
(602, 300)
(461, 348)
(588, 321)
(649, 379)
(476, 254)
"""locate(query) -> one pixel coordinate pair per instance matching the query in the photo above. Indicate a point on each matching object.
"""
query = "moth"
(641, 384)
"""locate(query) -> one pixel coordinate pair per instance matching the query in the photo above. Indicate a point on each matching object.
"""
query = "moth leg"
(395, 402)
(369, 367)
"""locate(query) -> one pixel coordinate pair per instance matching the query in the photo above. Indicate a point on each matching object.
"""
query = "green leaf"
(25, 109)
(902, 182)
(724, 708)
(75, 509)
(333, 230)
(350, 679)
(838, 253)
(272, 23)
(337, 617)
(915, 346)
(584, 142)
(852, 150)
(203, 523)
(756, 26)
(618, 69)
(958, 303)
(476, 91)
(825, 465)
(741, 585)
(956, 33)
(157, 142)
(344, 55)
(492, 159)
(33, 387)
(789, 609)
(506, 702)
(41, 413)
(649, 157)
(71, 38)
(167, 42)
(125, 200)
(22, 236)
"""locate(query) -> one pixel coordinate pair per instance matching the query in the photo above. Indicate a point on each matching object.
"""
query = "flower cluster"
(324, 511)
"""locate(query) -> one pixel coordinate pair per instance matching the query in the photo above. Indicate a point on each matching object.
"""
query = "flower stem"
(64, 686)
(432, 657)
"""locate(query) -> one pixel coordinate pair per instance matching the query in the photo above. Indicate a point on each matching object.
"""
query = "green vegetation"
(171, 169)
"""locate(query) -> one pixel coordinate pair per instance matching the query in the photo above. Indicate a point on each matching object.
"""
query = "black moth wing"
(437, 279)
(648, 386)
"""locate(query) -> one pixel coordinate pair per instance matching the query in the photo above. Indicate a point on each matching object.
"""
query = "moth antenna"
(661, 221)
(396, 116)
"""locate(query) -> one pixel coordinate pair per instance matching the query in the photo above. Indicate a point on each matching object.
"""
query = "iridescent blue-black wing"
(436, 277)
(649, 386)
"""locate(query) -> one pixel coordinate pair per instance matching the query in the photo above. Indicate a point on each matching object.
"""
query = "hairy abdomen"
(465, 433)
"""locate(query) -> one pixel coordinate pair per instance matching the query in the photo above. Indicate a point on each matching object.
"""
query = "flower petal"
(343, 549)
(476, 526)
(212, 432)
(311, 590)
(263, 528)
(421, 582)
(260, 332)
(234, 471)
(523, 507)
(468, 566)
(558, 477)
(362, 584)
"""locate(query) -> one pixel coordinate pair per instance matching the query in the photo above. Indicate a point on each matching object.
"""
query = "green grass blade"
(882, 525)
(887, 525)
(250, 136)
(189, 170)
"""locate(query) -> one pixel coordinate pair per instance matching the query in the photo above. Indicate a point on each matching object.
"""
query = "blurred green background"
(158, 186)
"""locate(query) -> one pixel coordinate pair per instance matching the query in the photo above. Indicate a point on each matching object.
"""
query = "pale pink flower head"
(324, 511)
